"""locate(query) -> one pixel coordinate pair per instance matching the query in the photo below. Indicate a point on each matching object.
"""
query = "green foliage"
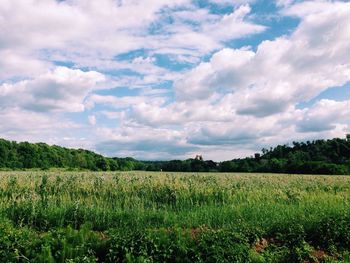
(316, 157)
(18, 244)
(173, 217)
(332, 232)
(26, 155)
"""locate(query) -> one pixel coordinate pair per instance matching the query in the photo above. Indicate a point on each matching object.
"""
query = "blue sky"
(175, 78)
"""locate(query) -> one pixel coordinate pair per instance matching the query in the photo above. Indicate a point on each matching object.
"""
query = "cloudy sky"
(165, 79)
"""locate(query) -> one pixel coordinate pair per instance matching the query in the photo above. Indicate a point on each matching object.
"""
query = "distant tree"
(319, 156)
(113, 165)
(199, 157)
(228, 166)
(102, 164)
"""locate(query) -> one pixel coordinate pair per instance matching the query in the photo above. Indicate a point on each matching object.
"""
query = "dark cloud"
(317, 125)
(230, 138)
(262, 108)
(144, 147)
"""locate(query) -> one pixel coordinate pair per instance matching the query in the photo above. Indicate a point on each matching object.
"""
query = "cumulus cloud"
(22, 125)
(220, 73)
(62, 89)
(204, 32)
(15, 64)
(90, 33)
(258, 91)
(324, 116)
(233, 25)
(140, 141)
(52, 24)
(180, 113)
(280, 72)
(184, 89)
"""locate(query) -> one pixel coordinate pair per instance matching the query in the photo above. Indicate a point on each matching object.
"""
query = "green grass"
(173, 217)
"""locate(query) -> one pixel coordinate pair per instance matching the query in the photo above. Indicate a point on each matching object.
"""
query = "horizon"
(200, 156)
(170, 80)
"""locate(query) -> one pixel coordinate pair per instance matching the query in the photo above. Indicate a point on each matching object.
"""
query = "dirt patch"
(103, 236)
(319, 255)
(260, 245)
(195, 232)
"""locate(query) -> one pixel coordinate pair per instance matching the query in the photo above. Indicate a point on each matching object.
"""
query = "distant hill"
(25, 155)
(311, 157)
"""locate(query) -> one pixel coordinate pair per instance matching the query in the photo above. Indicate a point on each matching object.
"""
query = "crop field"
(173, 217)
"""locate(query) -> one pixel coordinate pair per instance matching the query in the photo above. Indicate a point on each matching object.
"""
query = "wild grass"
(139, 216)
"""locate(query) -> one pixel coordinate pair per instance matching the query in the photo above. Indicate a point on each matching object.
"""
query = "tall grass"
(121, 209)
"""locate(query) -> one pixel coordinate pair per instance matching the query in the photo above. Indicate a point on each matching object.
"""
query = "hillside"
(311, 157)
(25, 155)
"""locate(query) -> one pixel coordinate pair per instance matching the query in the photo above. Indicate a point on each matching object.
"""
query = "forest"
(311, 157)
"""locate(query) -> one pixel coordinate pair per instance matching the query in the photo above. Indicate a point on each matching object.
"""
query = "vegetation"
(316, 157)
(25, 155)
(173, 217)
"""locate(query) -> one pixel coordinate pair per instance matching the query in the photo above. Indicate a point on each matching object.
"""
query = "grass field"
(173, 217)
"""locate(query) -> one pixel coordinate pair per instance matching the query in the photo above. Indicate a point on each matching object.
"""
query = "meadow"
(49, 216)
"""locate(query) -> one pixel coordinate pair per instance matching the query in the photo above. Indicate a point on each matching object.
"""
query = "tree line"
(25, 155)
(310, 157)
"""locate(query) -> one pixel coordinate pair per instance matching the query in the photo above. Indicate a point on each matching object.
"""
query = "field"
(173, 217)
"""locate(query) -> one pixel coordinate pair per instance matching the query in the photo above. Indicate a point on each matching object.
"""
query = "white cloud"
(61, 89)
(222, 72)
(180, 113)
(232, 2)
(92, 119)
(121, 102)
(324, 116)
(207, 32)
(22, 125)
(248, 98)
(140, 141)
(77, 28)
(284, 3)
(52, 24)
(282, 72)
(14, 64)
(238, 101)
(233, 25)
(305, 8)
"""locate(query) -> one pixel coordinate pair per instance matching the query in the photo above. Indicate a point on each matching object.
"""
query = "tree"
(102, 164)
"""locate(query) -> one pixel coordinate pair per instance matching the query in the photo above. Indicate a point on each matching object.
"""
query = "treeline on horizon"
(311, 157)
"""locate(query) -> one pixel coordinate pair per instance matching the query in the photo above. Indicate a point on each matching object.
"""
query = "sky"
(169, 79)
